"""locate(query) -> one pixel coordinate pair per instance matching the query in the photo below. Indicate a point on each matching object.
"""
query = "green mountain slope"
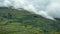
(22, 22)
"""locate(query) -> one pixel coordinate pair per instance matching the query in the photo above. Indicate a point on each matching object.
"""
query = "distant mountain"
(3, 7)
(14, 21)
(57, 19)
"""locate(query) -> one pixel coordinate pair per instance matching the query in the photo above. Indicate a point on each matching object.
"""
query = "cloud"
(53, 9)
(47, 8)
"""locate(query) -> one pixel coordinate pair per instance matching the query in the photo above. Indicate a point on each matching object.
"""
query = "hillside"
(14, 21)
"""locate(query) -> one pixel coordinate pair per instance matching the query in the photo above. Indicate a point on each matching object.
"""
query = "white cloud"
(47, 8)
(45, 14)
(7, 3)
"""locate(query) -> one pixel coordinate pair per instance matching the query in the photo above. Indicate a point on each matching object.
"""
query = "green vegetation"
(14, 21)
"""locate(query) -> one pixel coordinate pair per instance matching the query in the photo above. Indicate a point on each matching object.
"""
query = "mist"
(47, 8)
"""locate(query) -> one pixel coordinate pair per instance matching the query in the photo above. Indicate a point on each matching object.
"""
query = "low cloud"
(47, 8)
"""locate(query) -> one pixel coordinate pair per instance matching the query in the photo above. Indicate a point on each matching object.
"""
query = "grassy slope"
(23, 22)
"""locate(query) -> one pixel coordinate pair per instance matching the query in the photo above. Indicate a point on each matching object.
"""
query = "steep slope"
(14, 21)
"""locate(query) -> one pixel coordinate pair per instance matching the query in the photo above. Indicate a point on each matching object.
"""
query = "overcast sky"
(47, 8)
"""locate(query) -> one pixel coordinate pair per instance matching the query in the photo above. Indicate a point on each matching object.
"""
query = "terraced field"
(14, 21)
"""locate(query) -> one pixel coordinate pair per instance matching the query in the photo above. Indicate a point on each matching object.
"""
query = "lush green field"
(22, 22)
